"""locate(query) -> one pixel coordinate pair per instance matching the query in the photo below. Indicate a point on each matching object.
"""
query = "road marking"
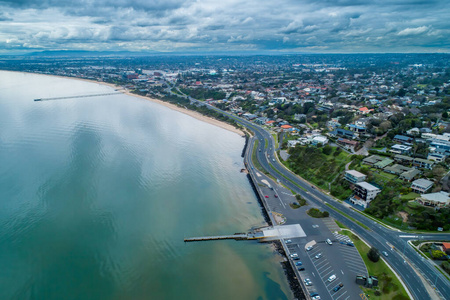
(342, 294)
(314, 274)
(408, 236)
(342, 272)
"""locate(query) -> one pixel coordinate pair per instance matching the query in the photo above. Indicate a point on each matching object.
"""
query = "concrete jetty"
(80, 96)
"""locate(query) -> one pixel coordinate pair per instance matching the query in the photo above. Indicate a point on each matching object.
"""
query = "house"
(363, 110)
(409, 175)
(405, 140)
(292, 143)
(319, 140)
(402, 159)
(400, 149)
(440, 199)
(421, 186)
(413, 131)
(356, 128)
(443, 146)
(423, 163)
(354, 176)
(347, 144)
(372, 160)
(384, 163)
(436, 157)
(286, 126)
(344, 133)
(446, 248)
(364, 193)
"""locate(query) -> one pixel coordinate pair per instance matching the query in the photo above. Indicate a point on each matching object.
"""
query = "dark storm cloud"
(170, 25)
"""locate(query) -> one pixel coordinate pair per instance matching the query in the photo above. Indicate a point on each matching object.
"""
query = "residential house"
(402, 159)
(354, 176)
(400, 149)
(319, 140)
(410, 175)
(364, 193)
(421, 186)
(372, 160)
(347, 144)
(436, 157)
(344, 133)
(405, 140)
(423, 163)
(440, 199)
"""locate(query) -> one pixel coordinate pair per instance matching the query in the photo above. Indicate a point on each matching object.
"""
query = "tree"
(373, 254)
(437, 254)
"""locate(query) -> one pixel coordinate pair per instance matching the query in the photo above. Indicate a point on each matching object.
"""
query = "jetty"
(79, 96)
(263, 234)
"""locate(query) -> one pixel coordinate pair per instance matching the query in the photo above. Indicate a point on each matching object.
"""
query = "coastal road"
(402, 257)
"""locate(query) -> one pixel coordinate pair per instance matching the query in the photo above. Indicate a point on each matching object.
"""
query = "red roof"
(286, 126)
(270, 122)
(446, 246)
(364, 109)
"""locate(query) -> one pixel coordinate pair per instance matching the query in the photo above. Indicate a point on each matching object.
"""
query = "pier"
(265, 234)
(79, 96)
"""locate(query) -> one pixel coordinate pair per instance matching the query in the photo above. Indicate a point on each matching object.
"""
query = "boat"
(38, 99)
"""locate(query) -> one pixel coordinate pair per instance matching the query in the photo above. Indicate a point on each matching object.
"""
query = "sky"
(303, 26)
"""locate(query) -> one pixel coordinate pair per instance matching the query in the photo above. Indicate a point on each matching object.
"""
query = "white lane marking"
(342, 272)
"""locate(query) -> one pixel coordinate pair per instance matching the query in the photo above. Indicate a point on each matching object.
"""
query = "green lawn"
(409, 196)
(387, 280)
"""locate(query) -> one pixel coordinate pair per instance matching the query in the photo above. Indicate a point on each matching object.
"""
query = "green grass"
(410, 196)
(254, 159)
(275, 138)
(379, 269)
(341, 225)
(347, 216)
(443, 272)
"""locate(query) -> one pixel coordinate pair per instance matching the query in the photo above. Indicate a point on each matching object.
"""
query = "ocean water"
(97, 194)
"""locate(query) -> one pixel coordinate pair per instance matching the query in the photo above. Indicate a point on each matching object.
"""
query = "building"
(409, 175)
(423, 163)
(446, 248)
(402, 159)
(347, 144)
(364, 193)
(405, 140)
(436, 157)
(354, 176)
(319, 140)
(400, 149)
(344, 133)
(421, 186)
(440, 199)
(384, 163)
(372, 160)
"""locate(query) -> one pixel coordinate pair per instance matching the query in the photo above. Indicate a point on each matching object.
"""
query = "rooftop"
(367, 186)
(441, 197)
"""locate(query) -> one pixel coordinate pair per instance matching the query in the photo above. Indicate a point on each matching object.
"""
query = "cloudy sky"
(226, 25)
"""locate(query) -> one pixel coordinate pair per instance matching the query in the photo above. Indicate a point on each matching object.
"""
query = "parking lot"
(352, 258)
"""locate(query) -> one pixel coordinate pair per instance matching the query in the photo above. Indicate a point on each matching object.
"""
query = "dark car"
(337, 288)
(301, 269)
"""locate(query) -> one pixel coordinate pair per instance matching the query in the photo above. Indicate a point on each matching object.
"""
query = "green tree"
(373, 254)
(437, 254)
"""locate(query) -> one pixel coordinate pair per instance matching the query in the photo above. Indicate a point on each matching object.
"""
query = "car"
(259, 150)
(309, 248)
(329, 242)
(288, 241)
(293, 255)
(299, 263)
(296, 258)
(273, 159)
(332, 278)
(337, 288)
(351, 244)
(301, 269)
(307, 281)
(266, 196)
(315, 296)
(318, 256)
(385, 253)
(276, 196)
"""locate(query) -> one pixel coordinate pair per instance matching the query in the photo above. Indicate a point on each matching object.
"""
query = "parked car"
(293, 255)
(309, 248)
(299, 263)
(301, 269)
(307, 281)
(318, 256)
(337, 288)
(332, 278)
(288, 241)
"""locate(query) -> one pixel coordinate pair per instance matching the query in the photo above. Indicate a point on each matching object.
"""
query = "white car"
(385, 253)
(294, 255)
(329, 242)
(332, 278)
(307, 281)
(309, 248)
(318, 256)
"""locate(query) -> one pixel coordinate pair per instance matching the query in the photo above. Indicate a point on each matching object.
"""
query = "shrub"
(374, 255)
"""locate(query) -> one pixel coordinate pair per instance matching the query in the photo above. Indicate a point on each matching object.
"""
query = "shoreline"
(191, 113)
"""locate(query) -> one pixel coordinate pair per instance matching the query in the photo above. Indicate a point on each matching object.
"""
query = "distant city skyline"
(304, 26)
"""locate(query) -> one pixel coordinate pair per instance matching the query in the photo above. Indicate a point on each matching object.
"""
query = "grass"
(409, 196)
(294, 206)
(379, 269)
(347, 216)
(443, 272)
(275, 138)
(341, 225)
(255, 160)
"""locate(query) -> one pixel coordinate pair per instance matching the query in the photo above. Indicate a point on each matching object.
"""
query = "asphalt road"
(401, 256)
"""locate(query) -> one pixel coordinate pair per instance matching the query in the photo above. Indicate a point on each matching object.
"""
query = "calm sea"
(97, 194)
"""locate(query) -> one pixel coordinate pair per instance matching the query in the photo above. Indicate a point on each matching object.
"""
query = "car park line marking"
(342, 272)
(326, 269)
(342, 294)
(313, 274)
